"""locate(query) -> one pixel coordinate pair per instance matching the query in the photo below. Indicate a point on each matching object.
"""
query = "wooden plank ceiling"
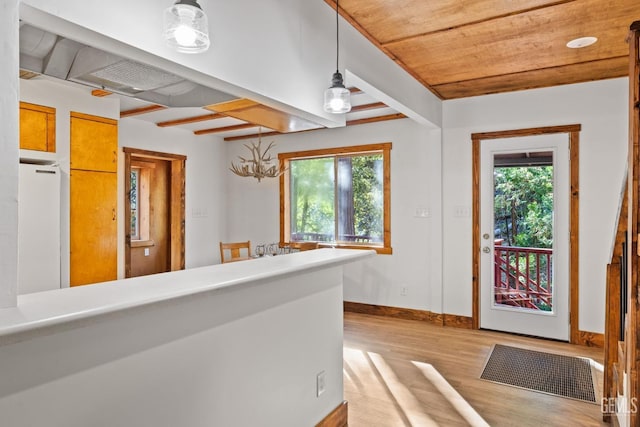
(466, 48)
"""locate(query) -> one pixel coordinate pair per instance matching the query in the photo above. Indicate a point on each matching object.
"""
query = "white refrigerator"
(38, 228)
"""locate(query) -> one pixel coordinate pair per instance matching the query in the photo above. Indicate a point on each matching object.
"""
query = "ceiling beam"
(225, 129)
(349, 123)
(261, 135)
(142, 110)
(395, 116)
(193, 119)
(367, 106)
(100, 93)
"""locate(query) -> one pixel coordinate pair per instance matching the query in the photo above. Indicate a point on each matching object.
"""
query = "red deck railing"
(523, 277)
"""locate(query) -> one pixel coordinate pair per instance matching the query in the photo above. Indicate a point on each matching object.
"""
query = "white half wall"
(227, 345)
(602, 110)
(253, 211)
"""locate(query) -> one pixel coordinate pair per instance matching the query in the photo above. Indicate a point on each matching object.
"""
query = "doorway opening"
(154, 212)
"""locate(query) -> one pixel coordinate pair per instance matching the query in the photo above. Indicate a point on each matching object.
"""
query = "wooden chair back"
(235, 251)
(303, 246)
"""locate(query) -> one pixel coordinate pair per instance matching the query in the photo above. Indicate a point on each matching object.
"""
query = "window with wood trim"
(139, 199)
(338, 197)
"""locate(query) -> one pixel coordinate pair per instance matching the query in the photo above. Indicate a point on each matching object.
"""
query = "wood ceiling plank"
(519, 43)
(390, 20)
(575, 73)
(187, 120)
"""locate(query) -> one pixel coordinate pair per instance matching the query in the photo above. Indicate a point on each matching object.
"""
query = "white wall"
(601, 108)
(9, 153)
(415, 183)
(205, 211)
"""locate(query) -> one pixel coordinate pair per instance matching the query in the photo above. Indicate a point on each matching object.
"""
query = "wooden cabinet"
(94, 143)
(93, 239)
(93, 199)
(37, 127)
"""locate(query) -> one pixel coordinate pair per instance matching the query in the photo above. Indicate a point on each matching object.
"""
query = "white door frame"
(573, 131)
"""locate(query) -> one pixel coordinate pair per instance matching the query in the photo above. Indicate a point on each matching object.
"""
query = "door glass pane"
(523, 231)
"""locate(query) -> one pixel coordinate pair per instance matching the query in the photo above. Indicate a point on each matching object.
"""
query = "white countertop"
(57, 307)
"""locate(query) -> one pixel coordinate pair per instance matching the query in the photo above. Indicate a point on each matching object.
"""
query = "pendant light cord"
(337, 36)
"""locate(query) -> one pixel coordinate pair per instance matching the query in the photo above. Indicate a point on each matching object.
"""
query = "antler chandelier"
(260, 165)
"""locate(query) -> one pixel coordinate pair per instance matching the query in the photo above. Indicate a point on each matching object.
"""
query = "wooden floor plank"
(411, 373)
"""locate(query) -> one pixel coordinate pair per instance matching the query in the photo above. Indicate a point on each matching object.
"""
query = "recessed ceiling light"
(581, 42)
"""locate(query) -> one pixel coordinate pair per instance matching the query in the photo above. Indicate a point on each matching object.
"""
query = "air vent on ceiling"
(98, 68)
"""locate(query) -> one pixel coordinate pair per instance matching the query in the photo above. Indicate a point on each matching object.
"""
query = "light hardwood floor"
(411, 373)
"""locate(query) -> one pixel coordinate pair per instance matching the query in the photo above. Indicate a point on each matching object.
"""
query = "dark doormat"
(565, 376)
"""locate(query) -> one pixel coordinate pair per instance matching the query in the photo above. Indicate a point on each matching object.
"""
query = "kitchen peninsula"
(237, 344)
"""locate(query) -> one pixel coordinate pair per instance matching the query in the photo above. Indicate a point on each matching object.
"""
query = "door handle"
(486, 249)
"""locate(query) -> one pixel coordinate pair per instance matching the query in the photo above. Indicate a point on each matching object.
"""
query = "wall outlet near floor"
(404, 291)
(321, 383)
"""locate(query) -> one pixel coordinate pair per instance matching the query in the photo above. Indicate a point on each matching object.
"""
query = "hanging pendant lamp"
(186, 28)
(337, 99)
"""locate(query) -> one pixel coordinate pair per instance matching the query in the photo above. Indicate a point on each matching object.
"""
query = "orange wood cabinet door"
(37, 127)
(94, 143)
(93, 235)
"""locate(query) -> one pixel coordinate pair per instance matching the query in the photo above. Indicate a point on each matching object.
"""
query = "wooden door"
(150, 253)
(154, 221)
(94, 143)
(93, 236)
(37, 127)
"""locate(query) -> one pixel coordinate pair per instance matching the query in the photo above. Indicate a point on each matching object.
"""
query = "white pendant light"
(186, 28)
(337, 99)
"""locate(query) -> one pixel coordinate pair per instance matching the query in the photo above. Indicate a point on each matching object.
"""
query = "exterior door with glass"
(524, 235)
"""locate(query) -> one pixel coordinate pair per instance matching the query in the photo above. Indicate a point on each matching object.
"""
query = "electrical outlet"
(404, 291)
(321, 383)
